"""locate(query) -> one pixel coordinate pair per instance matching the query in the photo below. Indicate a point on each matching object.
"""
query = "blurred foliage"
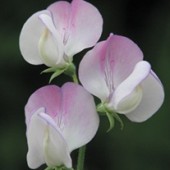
(144, 146)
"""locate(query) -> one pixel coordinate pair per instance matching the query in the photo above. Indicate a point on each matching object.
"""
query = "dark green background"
(144, 146)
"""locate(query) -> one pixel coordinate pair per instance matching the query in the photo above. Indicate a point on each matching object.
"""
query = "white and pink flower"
(53, 36)
(115, 72)
(59, 120)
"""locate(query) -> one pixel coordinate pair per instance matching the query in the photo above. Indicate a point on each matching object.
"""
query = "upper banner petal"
(48, 97)
(90, 73)
(85, 27)
(79, 116)
(60, 12)
(121, 57)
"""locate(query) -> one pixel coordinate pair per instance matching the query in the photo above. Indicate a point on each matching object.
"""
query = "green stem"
(81, 157)
(75, 79)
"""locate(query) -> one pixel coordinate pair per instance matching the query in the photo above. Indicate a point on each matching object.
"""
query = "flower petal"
(50, 45)
(83, 33)
(79, 116)
(60, 13)
(35, 135)
(90, 73)
(128, 94)
(108, 64)
(77, 121)
(48, 97)
(153, 97)
(45, 143)
(56, 151)
(120, 59)
(29, 38)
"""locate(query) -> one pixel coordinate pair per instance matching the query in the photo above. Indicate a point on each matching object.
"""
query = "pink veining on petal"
(61, 13)
(119, 60)
(83, 33)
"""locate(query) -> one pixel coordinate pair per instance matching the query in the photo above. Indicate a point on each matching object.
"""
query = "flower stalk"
(81, 158)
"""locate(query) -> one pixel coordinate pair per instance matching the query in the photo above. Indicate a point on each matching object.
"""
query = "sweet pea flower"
(53, 36)
(115, 72)
(58, 120)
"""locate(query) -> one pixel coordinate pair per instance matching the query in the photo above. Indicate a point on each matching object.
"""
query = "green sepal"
(111, 115)
(68, 69)
(117, 117)
(111, 121)
(56, 74)
(49, 70)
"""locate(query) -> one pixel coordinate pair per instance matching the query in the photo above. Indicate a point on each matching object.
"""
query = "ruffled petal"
(29, 38)
(45, 143)
(79, 116)
(128, 94)
(85, 27)
(47, 97)
(91, 74)
(153, 97)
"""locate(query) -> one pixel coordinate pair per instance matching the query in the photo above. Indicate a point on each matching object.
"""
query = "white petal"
(50, 45)
(91, 74)
(128, 94)
(29, 38)
(35, 137)
(56, 151)
(45, 143)
(153, 97)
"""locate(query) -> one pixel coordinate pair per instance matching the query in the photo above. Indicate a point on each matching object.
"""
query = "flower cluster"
(62, 119)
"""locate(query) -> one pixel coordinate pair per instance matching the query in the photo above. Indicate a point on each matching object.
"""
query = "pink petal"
(108, 64)
(60, 13)
(72, 108)
(121, 56)
(153, 97)
(85, 27)
(29, 38)
(47, 97)
(45, 143)
(79, 116)
(126, 96)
